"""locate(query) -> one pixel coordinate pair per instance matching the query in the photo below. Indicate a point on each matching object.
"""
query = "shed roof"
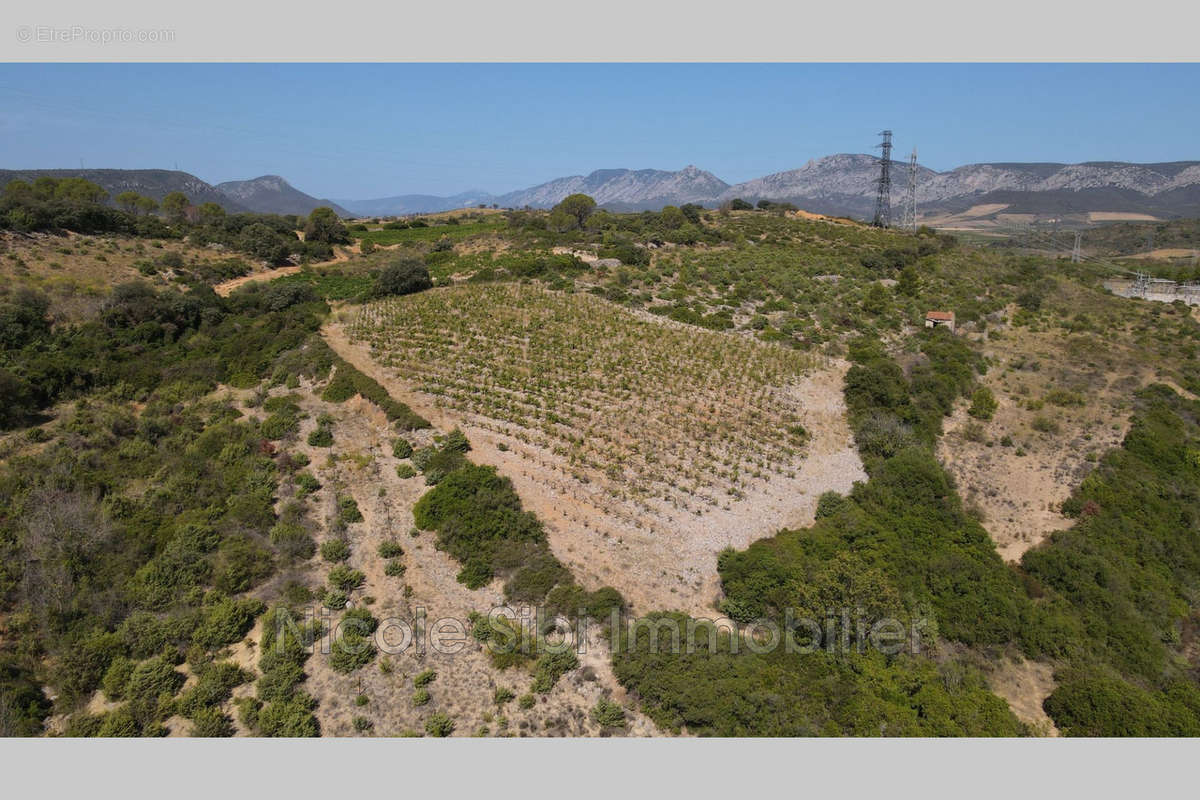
(939, 315)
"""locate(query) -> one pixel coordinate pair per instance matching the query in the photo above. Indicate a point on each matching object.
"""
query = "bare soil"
(611, 542)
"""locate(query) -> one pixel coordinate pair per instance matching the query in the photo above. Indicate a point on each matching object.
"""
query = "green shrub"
(607, 714)
(348, 509)
(117, 678)
(390, 549)
(321, 437)
(439, 724)
(405, 471)
(335, 550)
(550, 667)
(307, 483)
(402, 449)
(212, 723)
(983, 403)
(420, 697)
(344, 578)
(424, 678)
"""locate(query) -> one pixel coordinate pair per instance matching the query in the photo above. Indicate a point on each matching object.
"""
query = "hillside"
(155, 183)
(271, 194)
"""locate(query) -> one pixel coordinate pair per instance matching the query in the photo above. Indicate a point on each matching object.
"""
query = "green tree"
(405, 276)
(323, 225)
(175, 206)
(909, 284)
(146, 205)
(211, 213)
(128, 201)
(578, 206)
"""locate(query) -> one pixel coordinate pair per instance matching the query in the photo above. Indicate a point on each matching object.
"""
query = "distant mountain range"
(843, 184)
(271, 194)
(846, 184)
(268, 194)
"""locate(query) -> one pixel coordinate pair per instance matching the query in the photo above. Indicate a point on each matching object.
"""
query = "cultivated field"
(649, 445)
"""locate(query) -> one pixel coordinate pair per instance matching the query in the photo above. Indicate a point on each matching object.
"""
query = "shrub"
(212, 723)
(1043, 424)
(344, 578)
(348, 509)
(335, 550)
(550, 667)
(390, 549)
(983, 403)
(117, 678)
(322, 436)
(503, 695)
(439, 725)
(526, 702)
(420, 697)
(607, 714)
(405, 276)
(394, 569)
(405, 471)
(424, 678)
(307, 482)
(402, 449)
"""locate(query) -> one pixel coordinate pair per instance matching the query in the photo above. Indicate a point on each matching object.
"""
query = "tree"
(404, 276)
(146, 205)
(175, 206)
(909, 284)
(324, 226)
(579, 206)
(259, 241)
(738, 204)
(671, 218)
(211, 213)
(128, 201)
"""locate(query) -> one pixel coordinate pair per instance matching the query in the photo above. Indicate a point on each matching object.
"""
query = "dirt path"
(226, 288)
(605, 541)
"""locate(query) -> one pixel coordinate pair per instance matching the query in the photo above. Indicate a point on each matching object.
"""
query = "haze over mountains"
(846, 184)
(843, 184)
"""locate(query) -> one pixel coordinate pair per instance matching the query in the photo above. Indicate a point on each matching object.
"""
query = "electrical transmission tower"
(883, 201)
(1077, 251)
(910, 205)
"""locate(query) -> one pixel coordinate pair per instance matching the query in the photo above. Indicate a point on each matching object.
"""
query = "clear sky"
(361, 131)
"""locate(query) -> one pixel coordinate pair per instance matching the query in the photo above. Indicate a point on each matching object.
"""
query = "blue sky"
(371, 130)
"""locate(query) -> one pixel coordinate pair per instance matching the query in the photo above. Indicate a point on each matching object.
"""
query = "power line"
(883, 201)
(910, 208)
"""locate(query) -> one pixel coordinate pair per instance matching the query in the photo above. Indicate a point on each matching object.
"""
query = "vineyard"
(671, 418)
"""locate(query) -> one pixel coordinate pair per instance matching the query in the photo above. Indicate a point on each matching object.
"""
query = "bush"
(321, 437)
(335, 550)
(117, 678)
(212, 723)
(424, 678)
(344, 578)
(607, 714)
(405, 471)
(983, 403)
(405, 276)
(439, 725)
(550, 667)
(420, 697)
(390, 549)
(348, 509)
(402, 449)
